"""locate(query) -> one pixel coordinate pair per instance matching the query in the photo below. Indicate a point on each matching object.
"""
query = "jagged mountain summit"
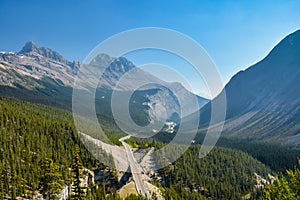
(31, 48)
(42, 75)
(33, 63)
(263, 102)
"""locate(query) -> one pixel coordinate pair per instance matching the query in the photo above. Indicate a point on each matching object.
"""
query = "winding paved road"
(135, 170)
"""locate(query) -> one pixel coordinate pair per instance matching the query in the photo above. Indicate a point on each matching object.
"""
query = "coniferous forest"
(41, 153)
(36, 139)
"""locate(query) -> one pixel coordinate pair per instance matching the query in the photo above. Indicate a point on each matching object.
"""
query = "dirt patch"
(127, 189)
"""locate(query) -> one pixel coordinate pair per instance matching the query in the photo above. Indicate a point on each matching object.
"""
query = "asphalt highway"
(135, 170)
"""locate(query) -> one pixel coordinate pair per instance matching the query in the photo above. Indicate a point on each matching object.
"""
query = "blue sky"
(236, 34)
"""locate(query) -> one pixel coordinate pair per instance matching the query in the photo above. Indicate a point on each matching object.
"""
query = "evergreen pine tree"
(78, 191)
(51, 181)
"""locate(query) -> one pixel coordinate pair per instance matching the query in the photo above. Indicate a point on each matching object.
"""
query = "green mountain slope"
(223, 174)
(30, 134)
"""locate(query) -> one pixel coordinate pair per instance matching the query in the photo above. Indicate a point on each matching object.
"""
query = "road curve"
(135, 170)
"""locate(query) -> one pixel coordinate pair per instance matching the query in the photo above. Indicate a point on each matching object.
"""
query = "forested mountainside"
(223, 174)
(33, 134)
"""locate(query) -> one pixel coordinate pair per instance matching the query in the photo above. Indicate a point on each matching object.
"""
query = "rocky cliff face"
(161, 98)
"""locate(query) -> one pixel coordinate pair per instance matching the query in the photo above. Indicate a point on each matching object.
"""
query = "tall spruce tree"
(51, 181)
(78, 191)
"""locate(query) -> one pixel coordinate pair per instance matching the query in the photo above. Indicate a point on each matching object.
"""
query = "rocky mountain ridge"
(37, 69)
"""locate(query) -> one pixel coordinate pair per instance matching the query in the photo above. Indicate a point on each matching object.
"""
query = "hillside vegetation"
(33, 136)
(30, 136)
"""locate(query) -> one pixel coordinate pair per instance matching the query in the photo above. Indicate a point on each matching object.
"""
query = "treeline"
(278, 157)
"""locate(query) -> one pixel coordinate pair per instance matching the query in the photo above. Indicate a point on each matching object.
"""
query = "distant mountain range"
(263, 102)
(42, 75)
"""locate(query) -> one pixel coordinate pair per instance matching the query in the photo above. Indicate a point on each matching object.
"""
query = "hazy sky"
(236, 34)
